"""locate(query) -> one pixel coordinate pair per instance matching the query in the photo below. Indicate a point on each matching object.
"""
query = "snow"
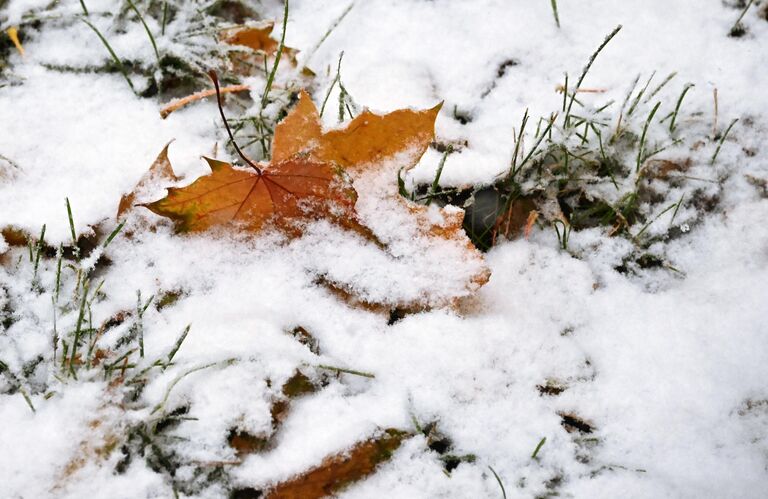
(669, 367)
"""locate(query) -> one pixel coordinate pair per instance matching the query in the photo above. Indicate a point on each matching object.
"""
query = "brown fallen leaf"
(532, 217)
(257, 38)
(14, 236)
(516, 218)
(363, 144)
(101, 436)
(306, 179)
(283, 192)
(160, 170)
(373, 149)
(664, 169)
(245, 443)
(340, 470)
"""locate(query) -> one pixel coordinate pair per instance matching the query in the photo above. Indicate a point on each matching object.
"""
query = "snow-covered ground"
(645, 384)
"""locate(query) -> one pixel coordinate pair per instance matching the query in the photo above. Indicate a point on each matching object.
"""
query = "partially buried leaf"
(160, 170)
(340, 470)
(257, 38)
(306, 180)
(373, 149)
(518, 216)
(254, 37)
(286, 191)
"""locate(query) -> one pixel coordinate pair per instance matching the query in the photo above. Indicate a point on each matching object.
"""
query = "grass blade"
(436, 181)
(498, 480)
(146, 28)
(113, 234)
(554, 12)
(586, 70)
(719, 145)
(279, 53)
(117, 60)
(177, 345)
(677, 106)
(641, 148)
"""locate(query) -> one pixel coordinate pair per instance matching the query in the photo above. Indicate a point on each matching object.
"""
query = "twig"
(347, 371)
(177, 104)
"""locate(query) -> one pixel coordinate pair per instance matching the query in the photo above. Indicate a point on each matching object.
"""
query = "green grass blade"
(146, 28)
(538, 447)
(722, 140)
(498, 480)
(586, 70)
(554, 12)
(279, 53)
(117, 60)
(677, 106)
(641, 148)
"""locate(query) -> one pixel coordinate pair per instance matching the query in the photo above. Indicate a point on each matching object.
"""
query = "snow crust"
(662, 364)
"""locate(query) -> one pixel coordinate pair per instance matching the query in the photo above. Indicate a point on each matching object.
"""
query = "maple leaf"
(373, 149)
(363, 144)
(257, 38)
(284, 191)
(254, 37)
(13, 34)
(307, 178)
(281, 191)
(160, 170)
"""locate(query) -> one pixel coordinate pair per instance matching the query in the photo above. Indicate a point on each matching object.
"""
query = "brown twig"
(560, 89)
(179, 103)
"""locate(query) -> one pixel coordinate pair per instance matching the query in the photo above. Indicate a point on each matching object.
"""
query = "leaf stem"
(215, 79)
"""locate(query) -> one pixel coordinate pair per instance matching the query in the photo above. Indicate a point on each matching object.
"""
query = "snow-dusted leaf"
(373, 149)
(160, 171)
(341, 469)
(282, 192)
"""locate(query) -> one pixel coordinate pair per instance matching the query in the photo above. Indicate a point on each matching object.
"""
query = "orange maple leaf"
(257, 38)
(254, 37)
(373, 149)
(306, 179)
(160, 170)
(363, 144)
(285, 191)
(281, 191)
